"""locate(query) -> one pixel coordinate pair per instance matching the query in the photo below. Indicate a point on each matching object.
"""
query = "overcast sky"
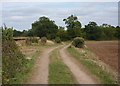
(21, 15)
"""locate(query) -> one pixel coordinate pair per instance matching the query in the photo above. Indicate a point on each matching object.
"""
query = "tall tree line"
(44, 27)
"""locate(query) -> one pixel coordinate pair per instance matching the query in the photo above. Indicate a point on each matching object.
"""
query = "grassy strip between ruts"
(59, 73)
(104, 76)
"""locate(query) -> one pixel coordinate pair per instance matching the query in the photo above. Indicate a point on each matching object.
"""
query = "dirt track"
(41, 70)
(40, 73)
(79, 73)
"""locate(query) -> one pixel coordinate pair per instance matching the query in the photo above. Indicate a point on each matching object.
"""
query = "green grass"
(58, 71)
(103, 75)
(21, 77)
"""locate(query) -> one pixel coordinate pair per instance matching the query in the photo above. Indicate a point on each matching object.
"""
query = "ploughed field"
(107, 51)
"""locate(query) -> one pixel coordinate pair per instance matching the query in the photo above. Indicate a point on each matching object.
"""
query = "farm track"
(81, 75)
(41, 68)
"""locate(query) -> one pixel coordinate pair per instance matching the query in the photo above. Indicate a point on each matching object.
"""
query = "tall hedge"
(12, 59)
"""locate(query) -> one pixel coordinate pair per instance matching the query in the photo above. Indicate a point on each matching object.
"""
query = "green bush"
(13, 60)
(43, 40)
(34, 40)
(78, 42)
(31, 40)
(57, 40)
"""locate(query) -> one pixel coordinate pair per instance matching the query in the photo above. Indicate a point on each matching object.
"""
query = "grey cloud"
(21, 16)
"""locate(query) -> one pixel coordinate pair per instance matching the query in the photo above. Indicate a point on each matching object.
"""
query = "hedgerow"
(12, 59)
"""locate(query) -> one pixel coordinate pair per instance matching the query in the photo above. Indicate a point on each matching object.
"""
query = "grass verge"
(21, 77)
(58, 71)
(29, 66)
(104, 76)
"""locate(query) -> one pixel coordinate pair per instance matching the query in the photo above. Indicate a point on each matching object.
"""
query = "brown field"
(107, 51)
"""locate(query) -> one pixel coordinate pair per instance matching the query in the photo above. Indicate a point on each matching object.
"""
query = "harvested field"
(107, 51)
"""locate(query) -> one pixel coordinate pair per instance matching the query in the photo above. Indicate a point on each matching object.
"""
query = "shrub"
(28, 42)
(43, 40)
(57, 40)
(31, 40)
(13, 60)
(78, 42)
(34, 39)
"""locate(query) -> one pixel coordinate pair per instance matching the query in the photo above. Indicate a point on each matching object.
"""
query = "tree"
(31, 32)
(73, 26)
(44, 27)
(24, 33)
(117, 33)
(105, 25)
(93, 32)
(17, 33)
(62, 33)
(109, 32)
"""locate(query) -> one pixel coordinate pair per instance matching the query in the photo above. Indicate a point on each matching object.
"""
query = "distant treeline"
(44, 27)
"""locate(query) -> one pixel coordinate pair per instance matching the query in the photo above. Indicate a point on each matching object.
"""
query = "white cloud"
(21, 15)
(16, 17)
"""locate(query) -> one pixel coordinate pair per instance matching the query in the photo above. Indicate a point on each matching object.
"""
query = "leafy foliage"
(12, 59)
(95, 32)
(7, 34)
(31, 40)
(117, 33)
(73, 26)
(62, 33)
(57, 40)
(17, 33)
(44, 27)
(78, 42)
(92, 31)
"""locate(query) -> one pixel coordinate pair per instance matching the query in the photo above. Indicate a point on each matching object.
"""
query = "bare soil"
(41, 70)
(107, 51)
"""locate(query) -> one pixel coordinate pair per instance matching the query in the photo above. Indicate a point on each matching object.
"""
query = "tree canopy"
(44, 27)
(73, 26)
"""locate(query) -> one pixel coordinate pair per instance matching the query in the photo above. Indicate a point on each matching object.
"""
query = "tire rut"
(81, 76)
(41, 68)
